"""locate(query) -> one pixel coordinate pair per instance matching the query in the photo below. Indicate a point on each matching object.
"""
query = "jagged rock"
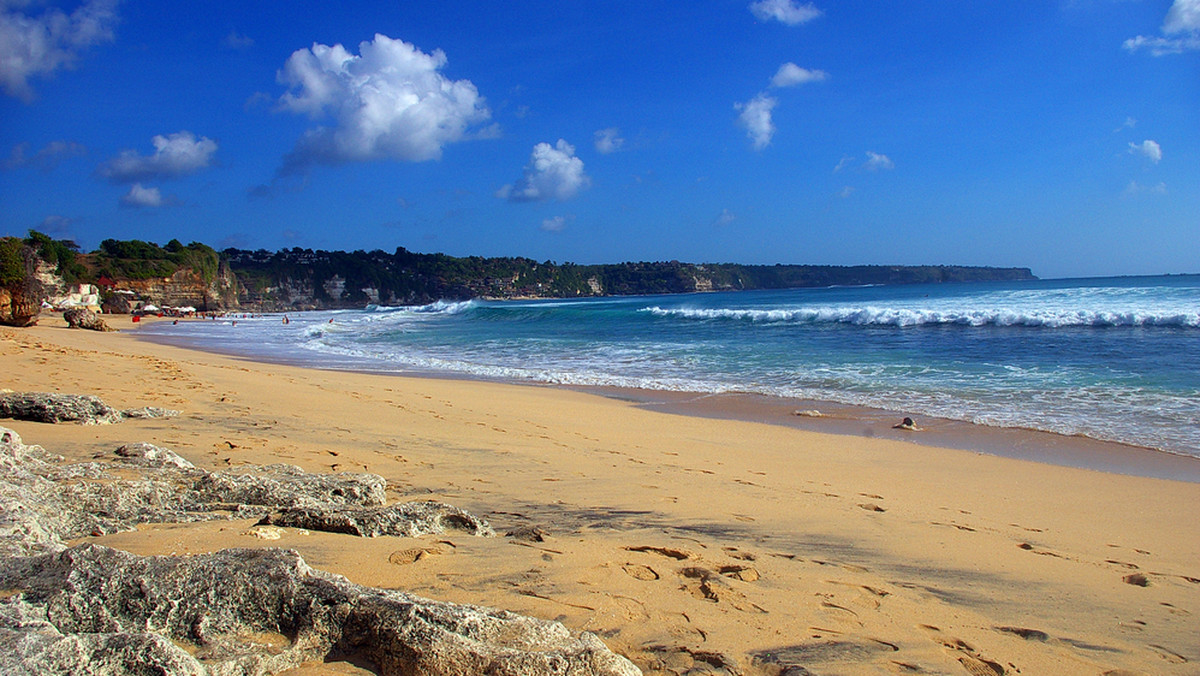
(83, 318)
(150, 455)
(252, 612)
(528, 534)
(52, 407)
(288, 486)
(409, 519)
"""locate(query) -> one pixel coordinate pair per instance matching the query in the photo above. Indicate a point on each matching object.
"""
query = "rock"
(150, 455)
(289, 487)
(57, 408)
(52, 407)
(91, 609)
(528, 534)
(409, 519)
(17, 310)
(245, 611)
(83, 318)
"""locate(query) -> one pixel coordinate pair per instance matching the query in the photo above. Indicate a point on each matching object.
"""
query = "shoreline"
(686, 543)
(1040, 446)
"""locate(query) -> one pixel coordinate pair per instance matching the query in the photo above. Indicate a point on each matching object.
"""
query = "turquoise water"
(1113, 359)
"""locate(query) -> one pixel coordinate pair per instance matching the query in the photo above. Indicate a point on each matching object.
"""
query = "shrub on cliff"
(20, 291)
(62, 254)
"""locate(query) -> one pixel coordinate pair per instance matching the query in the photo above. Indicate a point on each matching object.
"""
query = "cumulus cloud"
(553, 172)
(140, 197)
(45, 159)
(789, 12)
(790, 75)
(876, 162)
(755, 118)
(388, 102)
(39, 45)
(556, 224)
(724, 218)
(1148, 149)
(1181, 31)
(175, 155)
(609, 140)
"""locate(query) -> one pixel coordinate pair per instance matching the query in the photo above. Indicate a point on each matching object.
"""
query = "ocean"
(1114, 359)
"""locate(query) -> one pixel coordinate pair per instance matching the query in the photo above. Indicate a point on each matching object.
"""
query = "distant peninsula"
(199, 276)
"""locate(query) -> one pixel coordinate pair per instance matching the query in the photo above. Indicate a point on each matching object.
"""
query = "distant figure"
(286, 320)
(907, 424)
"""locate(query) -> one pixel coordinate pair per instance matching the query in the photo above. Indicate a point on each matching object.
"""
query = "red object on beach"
(137, 318)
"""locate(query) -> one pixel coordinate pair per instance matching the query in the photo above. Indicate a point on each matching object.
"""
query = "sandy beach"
(688, 544)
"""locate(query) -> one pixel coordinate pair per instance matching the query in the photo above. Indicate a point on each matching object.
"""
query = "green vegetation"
(135, 259)
(12, 262)
(355, 279)
(62, 254)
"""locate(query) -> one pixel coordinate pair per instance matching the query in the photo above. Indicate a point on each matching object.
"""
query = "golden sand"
(683, 542)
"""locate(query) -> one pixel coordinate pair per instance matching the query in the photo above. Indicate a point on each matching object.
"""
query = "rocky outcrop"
(243, 611)
(52, 407)
(91, 609)
(20, 291)
(410, 519)
(187, 287)
(149, 455)
(83, 318)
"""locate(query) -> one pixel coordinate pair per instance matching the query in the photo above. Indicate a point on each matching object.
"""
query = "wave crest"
(903, 317)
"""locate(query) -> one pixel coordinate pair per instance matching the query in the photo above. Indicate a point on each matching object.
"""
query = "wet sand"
(687, 542)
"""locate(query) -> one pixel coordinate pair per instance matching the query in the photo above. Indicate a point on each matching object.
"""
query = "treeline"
(306, 278)
(348, 279)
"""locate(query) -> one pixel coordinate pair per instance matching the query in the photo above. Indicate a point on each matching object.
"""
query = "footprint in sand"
(412, 555)
(677, 554)
(640, 572)
(971, 660)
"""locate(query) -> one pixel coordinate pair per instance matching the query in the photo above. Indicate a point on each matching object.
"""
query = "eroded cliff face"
(187, 288)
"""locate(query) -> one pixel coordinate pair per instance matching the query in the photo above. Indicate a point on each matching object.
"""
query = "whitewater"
(1111, 359)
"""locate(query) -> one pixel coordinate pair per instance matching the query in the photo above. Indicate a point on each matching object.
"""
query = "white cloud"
(789, 12)
(553, 172)
(1183, 17)
(790, 75)
(389, 102)
(45, 159)
(876, 162)
(140, 197)
(609, 140)
(40, 45)
(846, 191)
(843, 163)
(755, 118)
(1182, 23)
(1148, 149)
(175, 155)
(556, 224)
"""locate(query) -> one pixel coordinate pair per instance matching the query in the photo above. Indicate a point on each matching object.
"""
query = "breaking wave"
(903, 317)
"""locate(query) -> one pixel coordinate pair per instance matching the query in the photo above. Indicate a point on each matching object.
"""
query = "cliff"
(304, 279)
(133, 273)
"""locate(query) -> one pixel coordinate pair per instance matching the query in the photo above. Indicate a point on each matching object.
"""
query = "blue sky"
(1063, 135)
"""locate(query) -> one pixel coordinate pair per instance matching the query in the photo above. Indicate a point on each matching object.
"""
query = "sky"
(1060, 135)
